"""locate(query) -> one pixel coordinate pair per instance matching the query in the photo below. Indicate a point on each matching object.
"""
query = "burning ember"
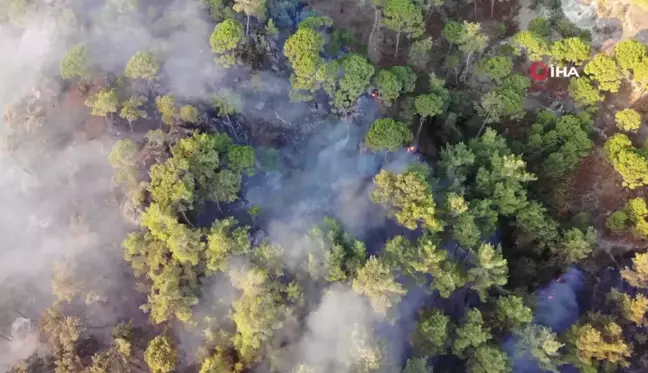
(411, 149)
(375, 94)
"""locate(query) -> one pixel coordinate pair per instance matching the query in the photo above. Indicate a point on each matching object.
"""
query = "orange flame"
(411, 149)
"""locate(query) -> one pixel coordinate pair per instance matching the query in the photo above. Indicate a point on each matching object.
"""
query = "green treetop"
(408, 196)
(575, 246)
(347, 79)
(604, 70)
(406, 76)
(103, 102)
(595, 346)
(631, 308)
(389, 86)
(571, 50)
(75, 63)
(403, 16)
(540, 26)
(302, 50)
(453, 32)
(224, 241)
(535, 46)
(376, 281)
(161, 355)
(143, 65)
(189, 113)
(241, 159)
(558, 144)
(167, 107)
(490, 269)
(419, 53)
(387, 134)
(227, 102)
(131, 110)
(473, 40)
(428, 106)
(504, 102)
(627, 160)
(251, 8)
(584, 93)
(123, 154)
(488, 358)
(419, 365)
(542, 344)
(470, 334)
(316, 22)
(257, 313)
(225, 40)
(432, 336)
(496, 68)
(218, 362)
(628, 120)
(512, 312)
(630, 54)
(172, 184)
(637, 276)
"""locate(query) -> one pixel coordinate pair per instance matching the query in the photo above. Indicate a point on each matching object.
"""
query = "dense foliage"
(468, 211)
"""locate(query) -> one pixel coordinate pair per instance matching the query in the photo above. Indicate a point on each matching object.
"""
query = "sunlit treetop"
(604, 70)
(571, 50)
(123, 154)
(408, 196)
(75, 63)
(103, 102)
(225, 40)
(347, 78)
(536, 46)
(316, 22)
(387, 134)
(628, 120)
(143, 65)
(497, 67)
(161, 355)
(630, 54)
(637, 276)
(453, 32)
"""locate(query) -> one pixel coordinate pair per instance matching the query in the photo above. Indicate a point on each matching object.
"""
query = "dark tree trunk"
(397, 43)
(186, 219)
(465, 72)
(418, 133)
(375, 26)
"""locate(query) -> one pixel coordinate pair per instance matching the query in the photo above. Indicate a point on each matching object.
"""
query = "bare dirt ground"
(597, 189)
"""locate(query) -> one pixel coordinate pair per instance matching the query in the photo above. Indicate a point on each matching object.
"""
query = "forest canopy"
(275, 186)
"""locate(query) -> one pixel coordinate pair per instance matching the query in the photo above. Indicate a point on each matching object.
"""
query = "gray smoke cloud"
(339, 335)
(557, 305)
(59, 203)
(57, 194)
(557, 308)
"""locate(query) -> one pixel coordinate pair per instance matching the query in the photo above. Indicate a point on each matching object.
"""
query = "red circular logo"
(539, 71)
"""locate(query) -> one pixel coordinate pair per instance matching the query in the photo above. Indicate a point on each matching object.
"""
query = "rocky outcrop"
(586, 15)
(608, 20)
